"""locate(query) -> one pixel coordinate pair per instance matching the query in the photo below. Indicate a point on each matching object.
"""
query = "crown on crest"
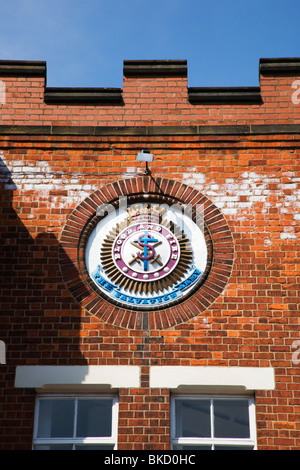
(148, 213)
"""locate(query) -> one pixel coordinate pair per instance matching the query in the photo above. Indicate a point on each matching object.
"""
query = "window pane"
(192, 418)
(54, 447)
(96, 447)
(231, 418)
(233, 448)
(94, 418)
(192, 447)
(56, 418)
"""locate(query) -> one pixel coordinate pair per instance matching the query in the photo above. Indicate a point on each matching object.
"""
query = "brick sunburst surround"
(145, 189)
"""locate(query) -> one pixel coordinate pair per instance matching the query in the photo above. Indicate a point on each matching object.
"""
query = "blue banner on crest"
(176, 292)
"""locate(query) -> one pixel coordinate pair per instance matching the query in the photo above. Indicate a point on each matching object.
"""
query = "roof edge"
(279, 66)
(204, 95)
(154, 67)
(23, 67)
(93, 96)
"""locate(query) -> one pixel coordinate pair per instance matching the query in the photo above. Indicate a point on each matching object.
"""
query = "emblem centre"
(146, 252)
(149, 250)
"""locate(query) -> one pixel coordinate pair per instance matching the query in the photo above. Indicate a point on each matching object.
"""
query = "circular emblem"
(146, 256)
(116, 289)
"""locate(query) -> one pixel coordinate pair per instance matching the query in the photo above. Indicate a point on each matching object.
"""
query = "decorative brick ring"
(143, 266)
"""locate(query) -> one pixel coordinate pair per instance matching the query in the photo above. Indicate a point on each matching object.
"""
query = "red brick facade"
(66, 151)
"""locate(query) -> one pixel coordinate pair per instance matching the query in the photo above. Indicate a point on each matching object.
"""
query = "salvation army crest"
(146, 256)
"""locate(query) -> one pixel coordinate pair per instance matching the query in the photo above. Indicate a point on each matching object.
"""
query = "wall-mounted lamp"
(145, 156)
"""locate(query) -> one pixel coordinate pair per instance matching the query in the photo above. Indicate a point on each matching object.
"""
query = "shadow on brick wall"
(40, 321)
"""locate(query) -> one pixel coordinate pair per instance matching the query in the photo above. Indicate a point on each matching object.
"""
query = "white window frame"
(212, 441)
(110, 440)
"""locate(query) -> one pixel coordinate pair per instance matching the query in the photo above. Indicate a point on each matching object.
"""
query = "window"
(75, 423)
(212, 423)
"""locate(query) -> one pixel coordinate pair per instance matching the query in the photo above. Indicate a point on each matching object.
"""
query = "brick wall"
(243, 157)
(155, 96)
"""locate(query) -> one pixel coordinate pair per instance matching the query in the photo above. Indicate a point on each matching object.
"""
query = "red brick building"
(123, 332)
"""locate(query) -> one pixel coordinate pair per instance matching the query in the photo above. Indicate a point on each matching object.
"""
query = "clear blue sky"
(85, 42)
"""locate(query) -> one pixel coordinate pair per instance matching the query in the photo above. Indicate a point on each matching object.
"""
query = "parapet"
(155, 92)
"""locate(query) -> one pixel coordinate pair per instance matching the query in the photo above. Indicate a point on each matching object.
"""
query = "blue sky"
(85, 42)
